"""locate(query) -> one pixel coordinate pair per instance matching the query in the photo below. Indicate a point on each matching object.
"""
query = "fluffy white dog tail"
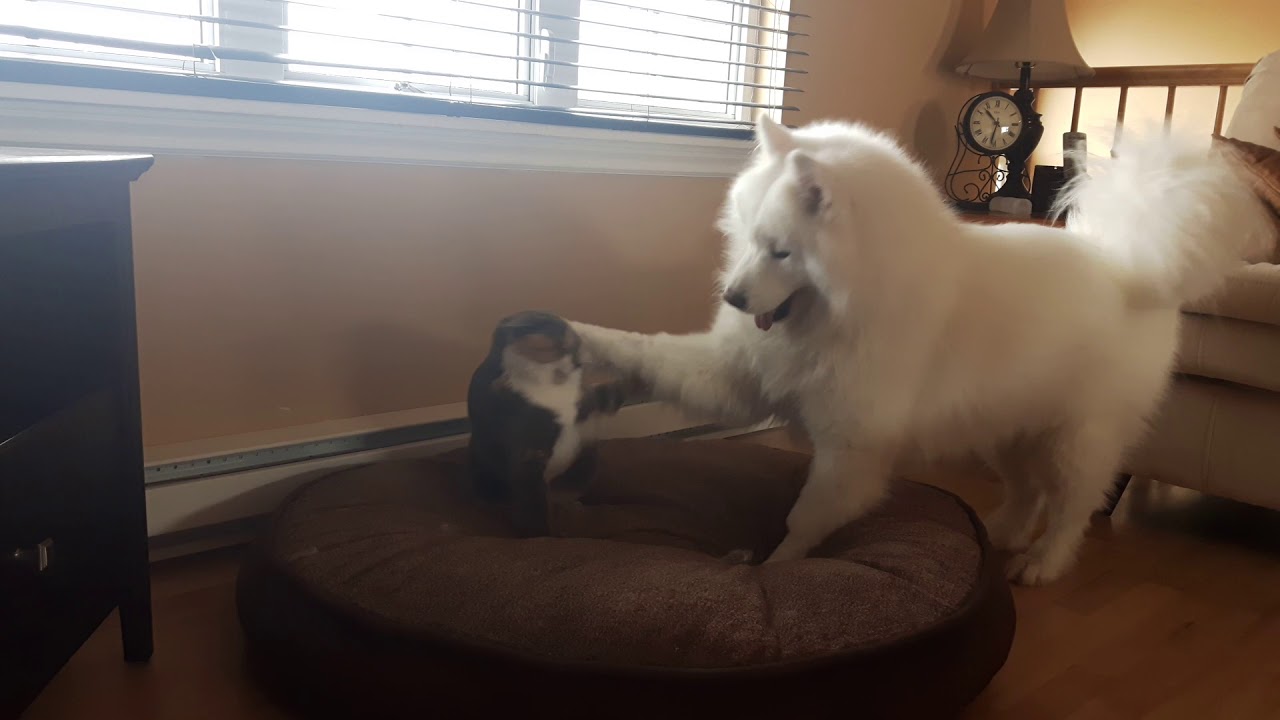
(1176, 219)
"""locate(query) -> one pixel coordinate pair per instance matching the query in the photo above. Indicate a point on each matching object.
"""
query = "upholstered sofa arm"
(1252, 293)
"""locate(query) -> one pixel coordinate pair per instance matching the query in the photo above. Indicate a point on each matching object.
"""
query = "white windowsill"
(121, 121)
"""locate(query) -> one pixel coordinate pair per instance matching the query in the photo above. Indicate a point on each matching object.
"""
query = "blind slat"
(670, 13)
(624, 5)
(762, 8)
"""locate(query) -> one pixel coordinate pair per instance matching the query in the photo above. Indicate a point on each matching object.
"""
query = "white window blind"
(701, 66)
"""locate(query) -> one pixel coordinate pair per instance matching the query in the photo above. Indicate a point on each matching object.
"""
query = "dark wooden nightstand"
(73, 531)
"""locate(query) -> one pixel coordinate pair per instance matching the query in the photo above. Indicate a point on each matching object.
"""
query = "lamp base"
(1018, 207)
(1017, 182)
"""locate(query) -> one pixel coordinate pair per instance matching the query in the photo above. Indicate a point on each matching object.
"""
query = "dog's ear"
(774, 138)
(809, 177)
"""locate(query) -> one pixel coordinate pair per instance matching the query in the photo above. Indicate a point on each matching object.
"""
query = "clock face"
(994, 123)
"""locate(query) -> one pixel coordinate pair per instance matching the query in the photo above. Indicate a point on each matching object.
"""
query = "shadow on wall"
(933, 135)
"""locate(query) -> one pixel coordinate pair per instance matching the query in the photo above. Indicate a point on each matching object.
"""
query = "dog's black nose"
(736, 299)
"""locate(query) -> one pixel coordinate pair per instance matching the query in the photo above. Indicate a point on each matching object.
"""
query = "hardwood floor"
(1172, 614)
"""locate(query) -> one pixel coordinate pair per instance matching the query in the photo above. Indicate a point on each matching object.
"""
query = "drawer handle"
(36, 558)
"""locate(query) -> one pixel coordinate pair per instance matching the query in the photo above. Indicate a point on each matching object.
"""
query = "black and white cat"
(533, 416)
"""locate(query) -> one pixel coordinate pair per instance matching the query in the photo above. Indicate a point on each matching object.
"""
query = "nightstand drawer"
(59, 526)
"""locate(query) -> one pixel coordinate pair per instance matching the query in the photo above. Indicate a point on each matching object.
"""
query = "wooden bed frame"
(1224, 77)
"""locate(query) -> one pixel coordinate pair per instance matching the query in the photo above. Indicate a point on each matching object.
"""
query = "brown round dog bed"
(390, 591)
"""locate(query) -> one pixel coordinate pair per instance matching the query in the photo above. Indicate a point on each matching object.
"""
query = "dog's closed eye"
(779, 254)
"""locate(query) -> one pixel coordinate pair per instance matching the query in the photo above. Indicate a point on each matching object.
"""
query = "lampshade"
(1022, 31)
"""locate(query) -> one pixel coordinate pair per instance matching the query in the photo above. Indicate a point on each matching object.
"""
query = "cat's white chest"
(561, 400)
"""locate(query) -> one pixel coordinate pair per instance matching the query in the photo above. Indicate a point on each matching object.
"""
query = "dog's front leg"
(694, 372)
(845, 481)
(856, 439)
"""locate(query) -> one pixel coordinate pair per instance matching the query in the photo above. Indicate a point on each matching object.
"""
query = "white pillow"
(1258, 113)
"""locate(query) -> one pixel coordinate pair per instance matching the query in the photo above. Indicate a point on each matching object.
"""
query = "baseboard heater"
(200, 502)
(249, 460)
(258, 459)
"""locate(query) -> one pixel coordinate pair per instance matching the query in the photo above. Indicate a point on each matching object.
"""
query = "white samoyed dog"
(859, 308)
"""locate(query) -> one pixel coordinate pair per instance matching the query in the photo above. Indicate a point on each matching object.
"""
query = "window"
(700, 66)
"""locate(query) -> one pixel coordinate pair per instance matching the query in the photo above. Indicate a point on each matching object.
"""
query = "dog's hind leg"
(693, 372)
(843, 484)
(1021, 467)
(1084, 459)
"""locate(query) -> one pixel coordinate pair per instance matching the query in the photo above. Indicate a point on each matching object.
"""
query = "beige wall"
(275, 294)
(1174, 32)
(278, 293)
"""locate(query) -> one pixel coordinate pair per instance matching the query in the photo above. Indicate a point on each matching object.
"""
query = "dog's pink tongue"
(764, 321)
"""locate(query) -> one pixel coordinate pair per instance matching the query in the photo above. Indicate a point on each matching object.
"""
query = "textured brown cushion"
(388, 591)
(1262, 165)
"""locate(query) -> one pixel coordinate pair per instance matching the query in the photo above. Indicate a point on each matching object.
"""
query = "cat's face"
(541, 343)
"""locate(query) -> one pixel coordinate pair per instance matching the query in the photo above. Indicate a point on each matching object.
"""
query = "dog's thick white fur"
(875, 320)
